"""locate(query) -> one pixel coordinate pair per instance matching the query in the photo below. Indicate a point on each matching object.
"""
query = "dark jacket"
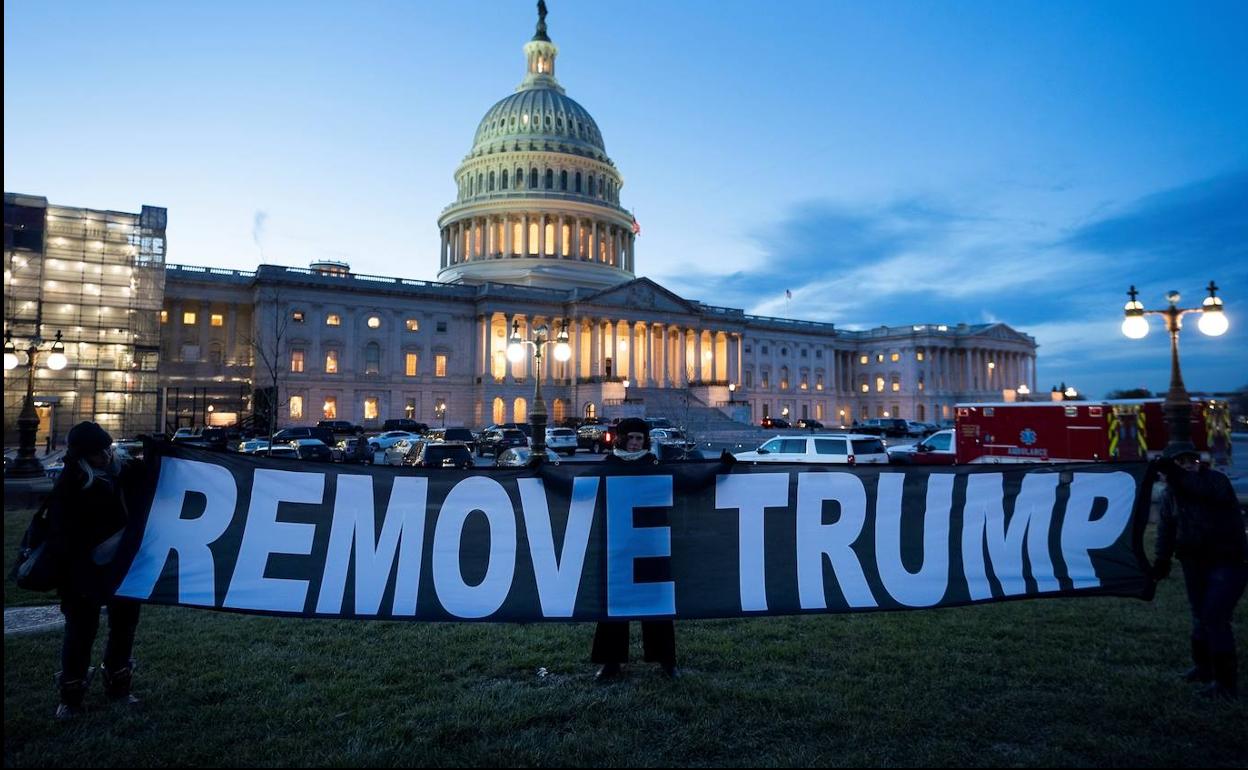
(613, 459)
(1200, 519)
(79, 520)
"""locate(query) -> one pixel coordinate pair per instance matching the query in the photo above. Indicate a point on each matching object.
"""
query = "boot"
(1225, 677)
(72, 693)
(117, 683)
(1203, 670)
(609, 672)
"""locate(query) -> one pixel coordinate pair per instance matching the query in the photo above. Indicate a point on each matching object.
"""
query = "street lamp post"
(26, 464)
(515, 353)
(1213, 322)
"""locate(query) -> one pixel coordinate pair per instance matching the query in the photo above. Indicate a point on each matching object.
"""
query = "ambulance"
(1117, 430)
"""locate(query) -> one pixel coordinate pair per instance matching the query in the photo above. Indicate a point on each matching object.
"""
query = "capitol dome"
(538, 198)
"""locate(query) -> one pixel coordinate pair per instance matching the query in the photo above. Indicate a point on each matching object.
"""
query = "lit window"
(297, 316)
(896, 385)
(164, 316)
(865, 388)
(216, 319)
(862, 359)
(409, 410)
(409, 365)
(879, 384)
(895, 356)
(296, 360)
(370, 408)
(439, 365)
(819, 382)
(805, 385)
(296, 407)
(329, 410)
(413, 325)
(331, 362)
(333, 319)
(188, 318)
(879, 358)
(374, 322)
(918, 356)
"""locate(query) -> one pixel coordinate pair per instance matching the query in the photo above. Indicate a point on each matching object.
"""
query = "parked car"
(312, 449)
(207, 438)
(918, 429)
(493, 442)
(285, 451)
(775, 423)
(840, 448)
(561, 440)
(341, 426)
(460, 434)
(398, 453)
(520, 456)
(659, 422)
(451, 454)
(936, 449)
(810, 425)
(670, 436)
(402, 423)
(352, 450)
(286, 435)
(883, 426)
(595, 437)
(390, 438)
(128, 449)
(253, 446)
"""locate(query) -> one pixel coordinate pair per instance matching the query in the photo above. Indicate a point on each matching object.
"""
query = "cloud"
(258, 224)
(914, 260)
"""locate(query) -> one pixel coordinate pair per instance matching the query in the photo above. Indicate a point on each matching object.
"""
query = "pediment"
(640, 294)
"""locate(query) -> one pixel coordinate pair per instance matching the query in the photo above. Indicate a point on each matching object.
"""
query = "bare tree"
(266, 344)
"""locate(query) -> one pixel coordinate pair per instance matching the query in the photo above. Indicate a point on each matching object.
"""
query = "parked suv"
(493, 442)
(843, 448)
(402, 423)
(884, 426)
(595, 437)
(286, 435)
(775, 422)
(345, 427)
(448, 455)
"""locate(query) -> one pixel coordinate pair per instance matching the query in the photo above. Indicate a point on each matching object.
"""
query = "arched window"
(550, 179)
(519, 178)
(480, 182)
(503, 180)
(533, 179)
(557, 411)
(499, 413)
(563, 180)
(590, 411)
(591, 184)
(578, 181)
(470, 185)
(372, 358)
(499, 369)
(784, 377)
(519, 410)
(491, 182)
(533, 244)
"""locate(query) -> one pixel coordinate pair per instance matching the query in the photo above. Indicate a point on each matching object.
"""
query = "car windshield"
(513, 435)
(458, 434)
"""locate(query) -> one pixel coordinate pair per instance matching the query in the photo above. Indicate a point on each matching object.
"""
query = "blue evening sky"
(886, 162)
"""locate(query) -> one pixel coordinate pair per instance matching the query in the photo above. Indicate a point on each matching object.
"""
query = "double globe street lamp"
(1213, 322)
(515, 354)
(26, 464)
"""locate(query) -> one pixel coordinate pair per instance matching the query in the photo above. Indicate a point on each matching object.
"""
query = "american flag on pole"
(788, 294)
(636, 225)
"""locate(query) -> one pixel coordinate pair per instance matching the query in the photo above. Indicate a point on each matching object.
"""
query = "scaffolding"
(97, 277)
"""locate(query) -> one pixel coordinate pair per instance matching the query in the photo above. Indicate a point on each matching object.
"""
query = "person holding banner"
(86, 516)
(1202, 525)
(658, 637)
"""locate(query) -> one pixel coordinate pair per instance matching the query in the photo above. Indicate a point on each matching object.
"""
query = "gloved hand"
(1159, 571)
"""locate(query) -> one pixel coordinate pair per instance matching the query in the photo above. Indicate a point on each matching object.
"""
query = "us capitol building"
(536, 236)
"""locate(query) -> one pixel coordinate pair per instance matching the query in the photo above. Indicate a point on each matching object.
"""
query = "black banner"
(592, 541)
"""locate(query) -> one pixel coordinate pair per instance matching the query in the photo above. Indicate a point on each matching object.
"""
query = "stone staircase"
(703, 423)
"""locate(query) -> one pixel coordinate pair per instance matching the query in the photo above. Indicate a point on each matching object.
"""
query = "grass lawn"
(1047, 682)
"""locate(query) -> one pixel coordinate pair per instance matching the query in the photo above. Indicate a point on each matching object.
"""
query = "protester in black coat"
(86, 513)
(1202, 525)
(658, 637)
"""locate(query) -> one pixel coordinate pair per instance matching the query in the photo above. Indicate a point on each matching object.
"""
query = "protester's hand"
(1159, 571)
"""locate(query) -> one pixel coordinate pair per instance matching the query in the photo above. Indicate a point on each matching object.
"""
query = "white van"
(842, 448)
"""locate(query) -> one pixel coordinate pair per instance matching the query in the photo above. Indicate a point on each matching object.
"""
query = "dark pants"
(1212, 591)
(82, 620)
(658, 642)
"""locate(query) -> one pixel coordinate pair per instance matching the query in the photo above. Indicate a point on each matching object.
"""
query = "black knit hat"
(87, 438)
(631, 425)
(1178, 449)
